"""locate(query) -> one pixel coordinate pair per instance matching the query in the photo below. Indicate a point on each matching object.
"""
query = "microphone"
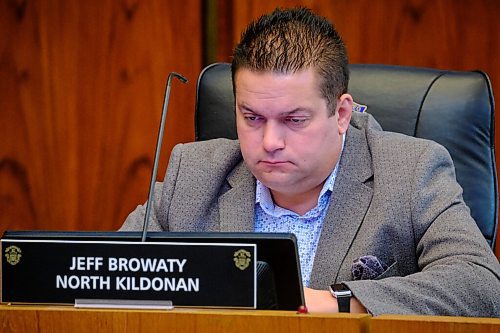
(158, 148)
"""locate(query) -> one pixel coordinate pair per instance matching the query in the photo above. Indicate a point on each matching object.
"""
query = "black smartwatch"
(343, 295)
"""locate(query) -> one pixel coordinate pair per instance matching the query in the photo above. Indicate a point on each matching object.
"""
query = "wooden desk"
(47, 319)
(424, 324)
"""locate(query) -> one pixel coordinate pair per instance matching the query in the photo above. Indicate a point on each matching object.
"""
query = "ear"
(344, 112)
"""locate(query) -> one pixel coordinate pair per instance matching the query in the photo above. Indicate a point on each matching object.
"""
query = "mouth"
(272, 162)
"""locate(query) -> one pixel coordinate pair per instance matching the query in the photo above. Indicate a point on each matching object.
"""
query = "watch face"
(339, 287)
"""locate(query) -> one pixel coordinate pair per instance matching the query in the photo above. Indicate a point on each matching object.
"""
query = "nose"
(273, 137)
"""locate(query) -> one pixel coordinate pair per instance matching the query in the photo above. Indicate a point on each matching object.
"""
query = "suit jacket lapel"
(349, 203)
(237, 205)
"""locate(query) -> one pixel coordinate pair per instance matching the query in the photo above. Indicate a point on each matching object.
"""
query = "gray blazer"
(395, 197)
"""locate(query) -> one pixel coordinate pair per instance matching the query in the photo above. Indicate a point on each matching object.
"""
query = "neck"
(299, 203)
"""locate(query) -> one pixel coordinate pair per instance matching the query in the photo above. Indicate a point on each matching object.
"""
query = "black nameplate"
(188, 274)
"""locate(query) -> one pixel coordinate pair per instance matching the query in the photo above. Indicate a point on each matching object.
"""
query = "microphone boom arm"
(149, 203)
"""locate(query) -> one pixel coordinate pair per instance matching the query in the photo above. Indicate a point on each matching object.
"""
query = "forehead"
(268, 89)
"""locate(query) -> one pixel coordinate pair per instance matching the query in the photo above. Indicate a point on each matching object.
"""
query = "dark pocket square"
(367, 268)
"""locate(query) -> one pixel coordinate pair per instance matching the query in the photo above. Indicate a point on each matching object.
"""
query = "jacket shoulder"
(378, 137)
(216, 154)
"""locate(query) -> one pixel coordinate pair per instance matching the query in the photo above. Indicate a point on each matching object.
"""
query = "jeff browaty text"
(119, 264)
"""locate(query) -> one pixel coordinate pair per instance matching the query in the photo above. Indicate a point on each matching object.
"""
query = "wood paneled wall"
(447, 34)
(81, 93)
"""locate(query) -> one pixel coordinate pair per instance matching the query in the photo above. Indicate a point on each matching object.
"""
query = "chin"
(280, 184)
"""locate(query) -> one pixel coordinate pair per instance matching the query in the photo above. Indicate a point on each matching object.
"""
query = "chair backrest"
(453, 108)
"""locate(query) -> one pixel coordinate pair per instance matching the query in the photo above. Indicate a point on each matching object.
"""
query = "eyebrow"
(296, 110)
(244, 106)
(286, 113)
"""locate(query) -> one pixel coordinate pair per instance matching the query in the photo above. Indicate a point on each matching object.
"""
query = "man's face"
(288, 139)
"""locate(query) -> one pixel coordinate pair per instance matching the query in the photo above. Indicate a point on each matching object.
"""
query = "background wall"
(82, 83)
(81, 93)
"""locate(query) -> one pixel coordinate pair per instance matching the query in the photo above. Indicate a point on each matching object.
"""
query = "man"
(358, 199)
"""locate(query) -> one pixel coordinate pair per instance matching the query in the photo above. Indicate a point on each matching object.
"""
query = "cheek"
(314, 139)
(317, 146)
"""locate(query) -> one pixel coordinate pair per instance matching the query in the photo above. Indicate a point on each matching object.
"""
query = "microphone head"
(177, 75)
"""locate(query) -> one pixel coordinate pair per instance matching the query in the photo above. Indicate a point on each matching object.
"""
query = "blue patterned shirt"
(307, 228)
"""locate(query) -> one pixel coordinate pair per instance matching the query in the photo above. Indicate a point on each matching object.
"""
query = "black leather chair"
(453, 108)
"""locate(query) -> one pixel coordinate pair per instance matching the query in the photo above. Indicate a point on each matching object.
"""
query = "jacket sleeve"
(458, 273)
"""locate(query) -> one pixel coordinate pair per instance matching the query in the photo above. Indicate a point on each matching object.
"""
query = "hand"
(323, 301)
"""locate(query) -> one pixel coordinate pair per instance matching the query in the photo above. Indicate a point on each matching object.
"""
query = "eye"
(252, 119)
(297, 121)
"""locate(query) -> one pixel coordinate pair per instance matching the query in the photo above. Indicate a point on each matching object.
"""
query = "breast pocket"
(370, 267)
(392, 270)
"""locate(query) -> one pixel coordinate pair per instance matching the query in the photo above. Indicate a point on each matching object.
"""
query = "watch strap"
(344, 303)
(343, 295)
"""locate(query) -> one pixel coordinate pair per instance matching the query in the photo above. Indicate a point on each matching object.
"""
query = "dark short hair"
(289, 40)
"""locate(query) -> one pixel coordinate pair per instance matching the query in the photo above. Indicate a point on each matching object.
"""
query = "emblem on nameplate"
(13, 255)
(242, 259)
